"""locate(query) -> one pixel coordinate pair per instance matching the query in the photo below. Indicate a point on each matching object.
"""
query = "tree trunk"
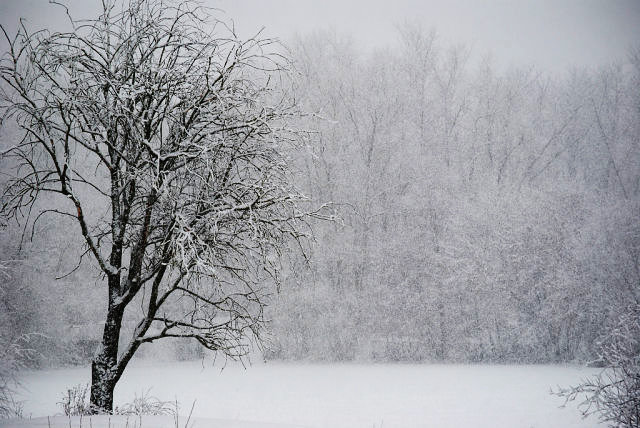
(104, 373)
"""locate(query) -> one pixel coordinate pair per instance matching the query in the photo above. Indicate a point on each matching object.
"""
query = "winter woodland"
(165, 178)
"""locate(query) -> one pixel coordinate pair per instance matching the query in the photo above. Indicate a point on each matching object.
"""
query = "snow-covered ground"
(103, 421)
(339, 395)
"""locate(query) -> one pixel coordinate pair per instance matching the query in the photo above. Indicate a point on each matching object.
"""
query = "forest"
(483, 215)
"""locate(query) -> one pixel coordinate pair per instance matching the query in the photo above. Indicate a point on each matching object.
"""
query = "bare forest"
(308, 200)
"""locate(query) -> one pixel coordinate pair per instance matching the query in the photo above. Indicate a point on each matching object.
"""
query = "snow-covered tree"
(485, 213)
(168, 140)
(614, 394)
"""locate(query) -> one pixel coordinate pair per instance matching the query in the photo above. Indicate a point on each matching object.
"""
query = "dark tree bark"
(104, 367)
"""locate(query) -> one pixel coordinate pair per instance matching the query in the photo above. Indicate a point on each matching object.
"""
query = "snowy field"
(338, 395)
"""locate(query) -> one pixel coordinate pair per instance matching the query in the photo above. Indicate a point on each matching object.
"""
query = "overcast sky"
(551, 34)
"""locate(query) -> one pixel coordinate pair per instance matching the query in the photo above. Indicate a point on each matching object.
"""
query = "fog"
(547, 34)
(439, 182)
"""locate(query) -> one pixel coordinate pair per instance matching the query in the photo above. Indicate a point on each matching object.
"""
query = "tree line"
(488, 215)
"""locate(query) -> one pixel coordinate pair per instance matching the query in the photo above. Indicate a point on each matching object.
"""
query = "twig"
(186, 425)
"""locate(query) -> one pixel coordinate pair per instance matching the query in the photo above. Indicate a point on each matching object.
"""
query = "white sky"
(551, 34)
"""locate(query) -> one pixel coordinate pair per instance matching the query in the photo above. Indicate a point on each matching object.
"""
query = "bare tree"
(614, 394)
(170, 145)
(15, 353)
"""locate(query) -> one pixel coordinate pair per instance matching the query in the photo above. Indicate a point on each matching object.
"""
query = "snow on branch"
(184, 132)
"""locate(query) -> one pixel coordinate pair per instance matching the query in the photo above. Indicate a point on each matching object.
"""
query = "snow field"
(338, 395)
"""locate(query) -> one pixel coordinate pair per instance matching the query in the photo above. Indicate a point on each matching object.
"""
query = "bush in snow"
(13, 355)
(614, 394)
(74, 401)
(146, 404)
(14, 350)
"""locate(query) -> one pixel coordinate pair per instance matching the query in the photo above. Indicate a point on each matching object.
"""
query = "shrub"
(13, 356)
(614, 394)
(146, 404)
(75, 403)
